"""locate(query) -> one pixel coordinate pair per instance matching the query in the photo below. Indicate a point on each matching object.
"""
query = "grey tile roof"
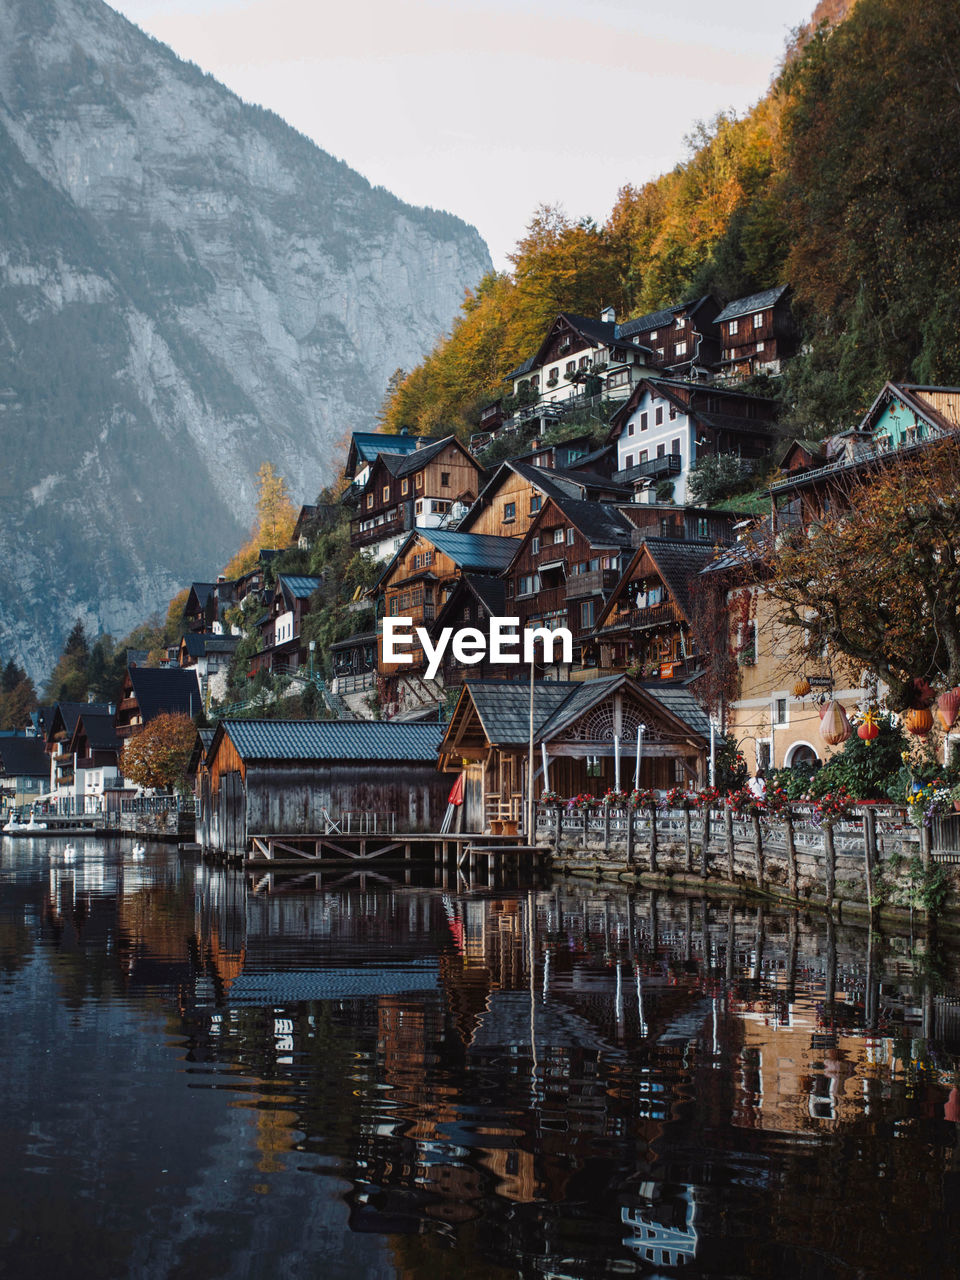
(600, 523)
(504, 706)
(490, 591)
(678, 564)
(581, 695)
(159, 689)
(334, 740)
(753, 302)
(371, 443)
(652, 320)
(473, 550)
(683, 705)
(100, 729)
(68, 713)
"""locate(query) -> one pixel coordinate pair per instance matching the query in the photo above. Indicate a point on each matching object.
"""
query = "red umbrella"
(456, 791)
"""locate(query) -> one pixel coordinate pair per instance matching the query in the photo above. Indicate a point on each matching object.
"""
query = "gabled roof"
(160, 689)
(675, 391)
(66, 715)
(489, 591)
(479, 551)
(98, 728)
(332, 740)
(602, 524)
(199, 645)
(24, 758)
(753, 302)
(503, 706)
(366, 445)
(937, 406)
(677, 563)
(201, 593)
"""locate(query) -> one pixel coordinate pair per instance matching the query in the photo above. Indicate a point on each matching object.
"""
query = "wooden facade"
(403, 492)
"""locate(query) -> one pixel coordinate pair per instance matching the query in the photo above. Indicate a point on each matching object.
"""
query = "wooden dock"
(302, 851)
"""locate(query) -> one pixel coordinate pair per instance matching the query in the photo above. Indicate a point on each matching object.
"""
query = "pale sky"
(482, 107)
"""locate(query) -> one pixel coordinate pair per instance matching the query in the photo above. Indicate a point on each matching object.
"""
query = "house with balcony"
(667, 424)
(514, 495)
(567, 564)
(24, 770)
(95, 750)
(207, 604)
(904, 418)
(580, 359)
(366, 446)
(280, 628)
(62, 723)
(419, 581)
(149, 691)
(683, 339)
(646, 625)
(428, 488)
(757, 333)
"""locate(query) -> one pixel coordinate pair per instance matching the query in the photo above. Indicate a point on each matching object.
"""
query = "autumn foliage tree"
(877, 576)
(274, 525)
(157, 755)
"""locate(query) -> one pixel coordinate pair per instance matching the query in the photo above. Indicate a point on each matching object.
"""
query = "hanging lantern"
(868, 729)
(919, 721)
(948, 704)
(834, 725)
(801, 688)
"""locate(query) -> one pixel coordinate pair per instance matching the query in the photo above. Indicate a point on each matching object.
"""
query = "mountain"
(188, 288)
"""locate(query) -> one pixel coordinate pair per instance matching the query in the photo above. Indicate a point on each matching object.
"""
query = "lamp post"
(530, 831)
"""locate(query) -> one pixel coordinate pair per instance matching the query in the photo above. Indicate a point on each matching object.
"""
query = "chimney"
(608, 315)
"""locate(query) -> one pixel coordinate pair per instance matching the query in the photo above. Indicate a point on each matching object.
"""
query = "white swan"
(70, 850)
(139, 850)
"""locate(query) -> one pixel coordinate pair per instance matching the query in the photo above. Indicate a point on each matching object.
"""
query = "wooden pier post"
(830, 857)
(654, 866)
(687, 842)
(631, 819)
(869, 853)
(758, 850)
(705, 844)
(606, 826)
(731, 860)
(791, 854)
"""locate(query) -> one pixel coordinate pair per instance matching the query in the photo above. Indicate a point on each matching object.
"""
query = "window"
(764, 760)
(439, 507)
(385, 494)
(509, 512)
(661, 450)
(558, 537)
(594, 767)
(780, 711)
(758, 320)
(619, 379)
(585, 362)
(703, 527)
(747, 648)
(394, 606)
(675, 445)
(644, 455)
(732, 327)
(418, 507)
(643, 422)
(444, 478)
(630, 426)
(628, 462)
(587, 613)
(528, 584)
(536, 501)
(419, 484)
(570, 536)
(653, 335)
(658, 415)
(404, 487)
(369, 501)
(673, 413)
(680, 349)
(570, 367)
(535, 545)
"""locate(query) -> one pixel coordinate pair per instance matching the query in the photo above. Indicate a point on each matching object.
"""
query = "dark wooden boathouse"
(296, 777)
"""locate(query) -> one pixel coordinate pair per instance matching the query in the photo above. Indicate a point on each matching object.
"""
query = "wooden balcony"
(592, 583)
(656, 615)
(363, 537)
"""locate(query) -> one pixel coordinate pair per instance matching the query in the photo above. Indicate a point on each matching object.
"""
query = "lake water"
(206, 1077)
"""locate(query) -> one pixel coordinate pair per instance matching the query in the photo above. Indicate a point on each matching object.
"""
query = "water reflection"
(384, 1079)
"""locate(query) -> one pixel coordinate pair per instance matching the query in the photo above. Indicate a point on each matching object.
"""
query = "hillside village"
(574, 505)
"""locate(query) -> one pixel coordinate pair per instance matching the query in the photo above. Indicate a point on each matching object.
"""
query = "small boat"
(34, 825)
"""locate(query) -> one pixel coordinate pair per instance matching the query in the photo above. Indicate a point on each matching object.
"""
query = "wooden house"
(684, 339)
(514, 495)
(424, 489)
(57, 743)
(646, 624)
(211, 655)
(94, 748)
(423, 575)
(281, 627)
(580, 357)
(584, 727)
(475, 599)
(149, 691)
(667, 424)
(366, 446)
(280, 777)
(354, 663)
(757, 333)
(566, 566)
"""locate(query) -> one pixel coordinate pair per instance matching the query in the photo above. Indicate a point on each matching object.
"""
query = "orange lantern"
(801, 688)
(868, 729)
(948, 704)
(834, 725)
(919, 721)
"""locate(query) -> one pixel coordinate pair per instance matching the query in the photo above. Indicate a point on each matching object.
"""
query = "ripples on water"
(386, 1080)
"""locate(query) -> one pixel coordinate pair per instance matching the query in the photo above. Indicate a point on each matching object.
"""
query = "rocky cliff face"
(188, 287)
